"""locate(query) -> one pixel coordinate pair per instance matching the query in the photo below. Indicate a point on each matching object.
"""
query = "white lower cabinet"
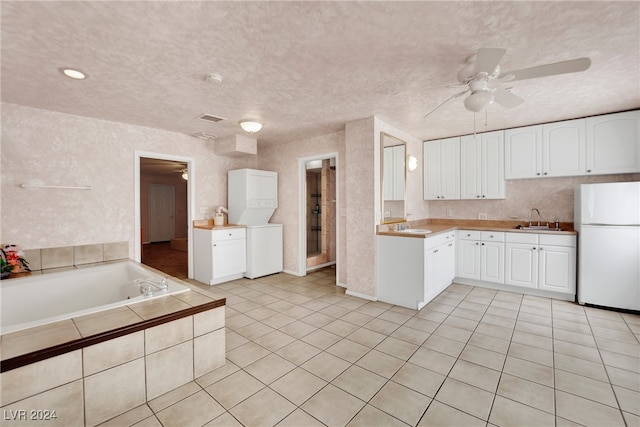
(480, 255)
(538, 263)
(440, 261)
(411, 271)
(541, 261)
(219, 255)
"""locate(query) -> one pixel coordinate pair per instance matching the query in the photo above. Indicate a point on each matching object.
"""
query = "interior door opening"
(320, 203)
(164, 215)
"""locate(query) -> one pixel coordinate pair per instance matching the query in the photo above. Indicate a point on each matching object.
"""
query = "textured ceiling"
(307, 68)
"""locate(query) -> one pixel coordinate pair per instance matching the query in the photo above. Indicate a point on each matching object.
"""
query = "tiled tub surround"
(38, 299)
(68, 257)
(92, 368)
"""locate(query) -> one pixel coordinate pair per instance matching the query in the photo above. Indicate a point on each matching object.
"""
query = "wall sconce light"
(413, 163)
(185, 175)
(250, 126)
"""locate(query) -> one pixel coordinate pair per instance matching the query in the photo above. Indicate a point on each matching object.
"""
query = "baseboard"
(359, 295)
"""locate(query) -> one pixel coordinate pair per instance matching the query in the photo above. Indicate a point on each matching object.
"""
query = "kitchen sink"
(533, 227)
(415, 231)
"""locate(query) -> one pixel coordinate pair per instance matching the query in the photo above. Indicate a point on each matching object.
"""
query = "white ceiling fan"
(483, 81)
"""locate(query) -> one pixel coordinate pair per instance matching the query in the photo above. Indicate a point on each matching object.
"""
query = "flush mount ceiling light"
(250, 126)
(73, 73)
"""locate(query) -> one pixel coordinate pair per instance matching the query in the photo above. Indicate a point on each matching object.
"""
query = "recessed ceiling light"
(74, 74)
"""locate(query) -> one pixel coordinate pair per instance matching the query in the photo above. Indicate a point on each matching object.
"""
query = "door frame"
(191, 186)
(302, 211)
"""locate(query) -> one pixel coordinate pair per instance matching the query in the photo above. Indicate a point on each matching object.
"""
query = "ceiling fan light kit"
(478, 101)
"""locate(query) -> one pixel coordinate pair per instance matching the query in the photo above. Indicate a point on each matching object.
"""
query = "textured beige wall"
(283, 159)
(552, 196)
(61, 149)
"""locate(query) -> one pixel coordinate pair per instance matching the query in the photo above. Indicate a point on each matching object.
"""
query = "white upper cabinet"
(393, 174)
(482, 166)
(599, 145)
(613, 143)
(563, 148)
(550, 150)
(523, 152)
(441, 169)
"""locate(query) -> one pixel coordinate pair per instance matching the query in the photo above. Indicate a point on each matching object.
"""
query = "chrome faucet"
(147, 286)
(539, 216)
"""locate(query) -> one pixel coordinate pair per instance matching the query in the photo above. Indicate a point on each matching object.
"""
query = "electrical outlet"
(449, 213)
(482, 215)
(204, 209)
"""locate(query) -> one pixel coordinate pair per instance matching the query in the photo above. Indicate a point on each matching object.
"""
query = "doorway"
(320, 203)
(164, 213)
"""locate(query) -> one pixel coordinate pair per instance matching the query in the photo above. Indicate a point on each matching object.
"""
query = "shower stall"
(321, 213)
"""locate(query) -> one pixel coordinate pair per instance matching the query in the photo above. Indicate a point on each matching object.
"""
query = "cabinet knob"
(534, 248)
(589, 170)
(544, 173)
(435, 252)
(450, 244)
(538, 173)
(483, 196)
(478, 196)
(482, 244)
(491, 236)
(541, 248)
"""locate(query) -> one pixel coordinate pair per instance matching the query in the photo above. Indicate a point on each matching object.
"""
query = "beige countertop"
(438, 226)
(207, 224)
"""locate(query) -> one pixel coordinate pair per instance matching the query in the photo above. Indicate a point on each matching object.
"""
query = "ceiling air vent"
(211, 118)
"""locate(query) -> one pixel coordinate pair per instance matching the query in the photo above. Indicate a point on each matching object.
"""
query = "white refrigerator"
(607, 218)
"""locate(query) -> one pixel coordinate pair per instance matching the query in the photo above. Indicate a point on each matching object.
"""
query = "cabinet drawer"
(522, 238)
(228, 234)
(557, 240)
(492, 236)
(469, 234)
(432, 242)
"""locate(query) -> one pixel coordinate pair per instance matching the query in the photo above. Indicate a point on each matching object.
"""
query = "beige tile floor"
(302, 353)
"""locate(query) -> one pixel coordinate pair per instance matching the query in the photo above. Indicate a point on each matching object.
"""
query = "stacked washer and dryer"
(252, 199)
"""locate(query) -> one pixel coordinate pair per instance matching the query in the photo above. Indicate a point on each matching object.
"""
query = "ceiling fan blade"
(564, 67)
(506, 98)
(445, 102)
(487, 59)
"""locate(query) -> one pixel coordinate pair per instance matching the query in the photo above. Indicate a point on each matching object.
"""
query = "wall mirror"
(393, 174)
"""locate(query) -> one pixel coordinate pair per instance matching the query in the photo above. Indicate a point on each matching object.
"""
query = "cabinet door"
(493, 165)
(229, 257)
(613, 143)
(557, 269)
(431, 261)
(468, 259)
(492, 262)
(431, 157)
(448, 263)
(470, 167)
(521, 265)
(563, 148)
(523, 152)
(450, 168)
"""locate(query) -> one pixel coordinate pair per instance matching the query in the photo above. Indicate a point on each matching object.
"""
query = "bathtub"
(39, 299)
